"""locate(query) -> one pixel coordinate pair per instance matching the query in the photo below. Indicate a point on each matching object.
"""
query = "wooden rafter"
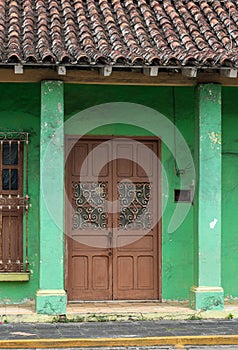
(116, 78)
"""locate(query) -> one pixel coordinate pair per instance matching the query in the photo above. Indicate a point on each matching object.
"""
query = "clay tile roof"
(127, 32)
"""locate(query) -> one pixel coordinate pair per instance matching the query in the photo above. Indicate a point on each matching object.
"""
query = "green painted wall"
(176, 104)
(230, 192)
(20, 110)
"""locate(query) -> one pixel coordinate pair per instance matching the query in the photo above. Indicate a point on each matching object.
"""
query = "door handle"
(110, 237)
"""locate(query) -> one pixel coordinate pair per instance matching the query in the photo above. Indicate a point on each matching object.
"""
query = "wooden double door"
(112, 214)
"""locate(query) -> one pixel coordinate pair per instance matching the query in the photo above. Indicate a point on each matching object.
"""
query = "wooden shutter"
(13, 203)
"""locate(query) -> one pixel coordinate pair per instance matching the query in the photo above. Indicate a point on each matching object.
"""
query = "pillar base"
(206, 298)
(51, 302)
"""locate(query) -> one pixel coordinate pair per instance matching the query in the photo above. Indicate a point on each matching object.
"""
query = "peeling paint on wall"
(213, 223)
(212, 96)
(215, 138)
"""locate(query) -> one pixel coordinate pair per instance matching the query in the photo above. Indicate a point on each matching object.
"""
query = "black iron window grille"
(14, 202)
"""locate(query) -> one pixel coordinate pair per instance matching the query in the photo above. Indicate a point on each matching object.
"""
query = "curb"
(177, 341)
(126, 316)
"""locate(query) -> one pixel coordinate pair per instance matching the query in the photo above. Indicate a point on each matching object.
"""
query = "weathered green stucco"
(229, 259)
(206, 299)
(51, 297)
(207, 202)
(20, 110)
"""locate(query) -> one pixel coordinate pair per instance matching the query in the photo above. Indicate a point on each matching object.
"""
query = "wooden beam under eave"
(116, 78)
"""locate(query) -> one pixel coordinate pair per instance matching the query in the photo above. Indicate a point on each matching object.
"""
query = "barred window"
(14, 202)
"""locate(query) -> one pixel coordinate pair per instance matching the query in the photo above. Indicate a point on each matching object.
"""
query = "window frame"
(14, 202)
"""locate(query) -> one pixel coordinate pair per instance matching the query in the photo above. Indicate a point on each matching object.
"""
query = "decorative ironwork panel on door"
(134, 205)
(13, 201)
(89, 205)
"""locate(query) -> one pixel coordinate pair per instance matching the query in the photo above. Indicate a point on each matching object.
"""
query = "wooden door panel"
(130, 269)
(80, 268)
(135, 278)
(135, 259)
(80, 153)
(125, 273)
(124, 152)
(145, 243)
(143, 162)
(89, 242)
(145, 267)
(90, 277)
(100, 272)
(100, 156)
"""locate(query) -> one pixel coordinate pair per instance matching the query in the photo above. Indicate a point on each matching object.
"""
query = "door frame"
(158, 140)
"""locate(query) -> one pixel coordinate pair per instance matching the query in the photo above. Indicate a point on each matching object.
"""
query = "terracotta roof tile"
(178, 32)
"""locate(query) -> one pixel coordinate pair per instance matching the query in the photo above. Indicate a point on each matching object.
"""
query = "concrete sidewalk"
(117, 311)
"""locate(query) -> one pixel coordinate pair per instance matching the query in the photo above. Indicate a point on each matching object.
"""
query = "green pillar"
(207, 293)
(51, 296)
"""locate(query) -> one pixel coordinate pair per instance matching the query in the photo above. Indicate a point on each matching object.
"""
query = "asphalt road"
(129, 329)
